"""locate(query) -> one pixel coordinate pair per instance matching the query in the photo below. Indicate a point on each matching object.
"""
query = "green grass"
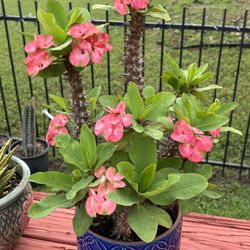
(235, 192)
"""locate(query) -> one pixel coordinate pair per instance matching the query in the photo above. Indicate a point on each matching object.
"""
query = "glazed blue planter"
(170, 240)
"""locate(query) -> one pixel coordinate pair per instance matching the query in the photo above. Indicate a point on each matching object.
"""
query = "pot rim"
(134, 243)
(35, 156)
(15, 193)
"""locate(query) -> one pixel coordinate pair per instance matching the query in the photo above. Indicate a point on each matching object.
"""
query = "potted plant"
(132, 161)
(15, 197)
(33, 151)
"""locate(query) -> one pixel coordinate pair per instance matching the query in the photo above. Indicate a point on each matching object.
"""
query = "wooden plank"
(35, 244)
(200, 232)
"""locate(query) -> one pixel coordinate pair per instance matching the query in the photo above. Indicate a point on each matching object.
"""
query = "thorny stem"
(133, 56)
(79, 106)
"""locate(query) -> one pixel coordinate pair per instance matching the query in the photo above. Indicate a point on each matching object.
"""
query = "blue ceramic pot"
(170, 240)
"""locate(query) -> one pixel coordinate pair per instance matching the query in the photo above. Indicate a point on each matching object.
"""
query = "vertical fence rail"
(182, 27)
(235, 88)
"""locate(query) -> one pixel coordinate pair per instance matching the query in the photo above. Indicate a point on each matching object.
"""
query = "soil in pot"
(3, 139)
(40, 148)
(105, 226)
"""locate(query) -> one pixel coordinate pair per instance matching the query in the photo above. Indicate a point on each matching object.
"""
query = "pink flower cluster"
(193, 143)
(98, 201)
(57, 126)
(111, 126)
(122, 5)
(89, 43)
(38, 58)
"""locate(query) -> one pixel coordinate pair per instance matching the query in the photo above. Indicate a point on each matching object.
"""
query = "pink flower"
(139, 4)
(78, 57)
(56, 127)
(111, 126)
(38, 58)
(215, 133)
(98, 204)
(37, 61)
(121, 6)
(89, 43)
(183, 132)
(98, 201)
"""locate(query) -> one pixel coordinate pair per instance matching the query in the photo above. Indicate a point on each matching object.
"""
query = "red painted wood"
(200, 232)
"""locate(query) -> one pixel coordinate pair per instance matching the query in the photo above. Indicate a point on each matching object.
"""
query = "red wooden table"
(200, 232)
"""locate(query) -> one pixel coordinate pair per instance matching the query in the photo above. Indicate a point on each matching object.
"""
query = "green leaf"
(136, 126)
(103, 7)
(189, 186)
(50, 26)
(95, 92)
(81, 221)
(63, 49)
(148, 91)
(104, 152)
(147, 177)
(158, 12)
(212, 194)
(160, 215)
(161, 186)
(118, 157)
(47, 205)
(80, 185)
(109, 101)
(78, 15)
(169, 162)
(210, 122)
(209, 87)
(158, 107)
(142, 146)
(134, 100)
(186, 206)
(227, 108)
(61, 102)
(88, 146)
(71, 152)
(53, 70)
(142, 223)
(205, 170)
(154, 133)
(127, 170)
(230, 129)
(124, 197)
(58, 11)
(54, 179)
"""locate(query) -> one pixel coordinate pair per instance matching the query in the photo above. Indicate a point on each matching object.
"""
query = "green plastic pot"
(14, 208)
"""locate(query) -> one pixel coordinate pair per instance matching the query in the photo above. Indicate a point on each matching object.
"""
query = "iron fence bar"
(162, 55)
(5, 108)
(235, 88)
(245, 146)
(202, 35)
(24, 42)
(228, 164)
(148, 25)
(61, 86)
(108, 54)
(91, 66)
(220, 53)
(11, 61)
(182, 35)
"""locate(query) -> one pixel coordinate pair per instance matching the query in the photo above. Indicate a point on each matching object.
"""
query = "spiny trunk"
(133, 55)
(79, 106)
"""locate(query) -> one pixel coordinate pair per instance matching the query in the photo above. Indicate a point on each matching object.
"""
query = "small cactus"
(6, 173)
(28, 131)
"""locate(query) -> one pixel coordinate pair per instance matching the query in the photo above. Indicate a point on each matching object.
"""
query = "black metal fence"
(230, 154)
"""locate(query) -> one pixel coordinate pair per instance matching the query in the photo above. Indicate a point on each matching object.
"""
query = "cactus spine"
(28, 131)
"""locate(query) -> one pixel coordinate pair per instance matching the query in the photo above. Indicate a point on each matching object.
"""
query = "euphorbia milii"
(215, 133)
(57, 126)
(111, 126)
(98, 201)
(38, 58)
(89, 44)
(122, 5)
